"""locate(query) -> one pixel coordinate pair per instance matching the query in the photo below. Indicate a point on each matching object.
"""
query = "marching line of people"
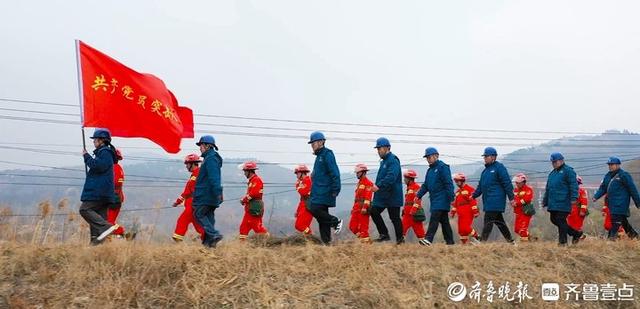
(564, 198)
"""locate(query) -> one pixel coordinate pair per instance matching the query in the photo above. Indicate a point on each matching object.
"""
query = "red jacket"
(409, 199)
(464, 202)
(583, 198)
(363, 195)
(522, 197)
(189, 188)
(118, 181)
(255, 188)
(304, 189)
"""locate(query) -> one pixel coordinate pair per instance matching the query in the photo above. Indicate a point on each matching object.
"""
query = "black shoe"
(338, 227)
(400, 241)
(94, 241)
(576, 239)
(383, 238)
(214, 242)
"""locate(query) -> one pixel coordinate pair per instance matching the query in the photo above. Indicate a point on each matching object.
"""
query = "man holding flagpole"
(98, 191)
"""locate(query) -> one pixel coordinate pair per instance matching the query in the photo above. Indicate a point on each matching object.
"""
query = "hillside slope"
(121, 275)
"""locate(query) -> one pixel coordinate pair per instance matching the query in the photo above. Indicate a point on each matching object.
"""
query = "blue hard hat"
(206, 139)
(316, 136)
(556, 156)
(614, 160)
(382, 142)
(490, 151)
(101, 133)
(430, 151)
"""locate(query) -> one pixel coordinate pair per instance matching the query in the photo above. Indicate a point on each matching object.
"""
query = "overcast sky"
(511, 65)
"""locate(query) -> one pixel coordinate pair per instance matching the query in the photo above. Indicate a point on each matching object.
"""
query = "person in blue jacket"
(207, 195)
(388, 192)
(439, 185)
(99, 190)
(325, 178)
(561, 192)
(494, 187)
(619, 188)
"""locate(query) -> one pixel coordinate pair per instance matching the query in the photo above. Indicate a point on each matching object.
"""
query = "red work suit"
(409, 210)
(466, 207)
(303, 216)
(607, 219)
(359, 223)
(522, 197)
(575, 220)
(186, 217)
(113, 212)
(250, 222)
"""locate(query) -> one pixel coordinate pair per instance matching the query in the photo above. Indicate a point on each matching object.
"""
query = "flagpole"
(81, 98)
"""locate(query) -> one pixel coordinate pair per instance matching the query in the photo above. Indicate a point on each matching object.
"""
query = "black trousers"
(440, 217)
(559, 219)
(325, 221)
(616, 222)
(95, 213)
(491, 218)
(394, 215)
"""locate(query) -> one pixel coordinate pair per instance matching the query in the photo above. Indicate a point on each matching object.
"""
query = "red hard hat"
(459, 177)
(191, 158)
(249, 166)
(579, 179)
(118, 154)
(361, 168)
(302, 168)
(410, 174)
(520, 178)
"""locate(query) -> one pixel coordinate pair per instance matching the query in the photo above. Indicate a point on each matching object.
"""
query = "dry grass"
(130, 274)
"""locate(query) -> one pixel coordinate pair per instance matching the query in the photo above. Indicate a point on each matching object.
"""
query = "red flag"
(131, 104)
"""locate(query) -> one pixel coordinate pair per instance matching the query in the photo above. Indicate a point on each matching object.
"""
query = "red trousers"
(186, 218)
(607, 223)
(521, 226)
(359, 224)
(249, 223)
(574, 220)
(417, 226)
(465, 223)
(112, 216)
(303, 220)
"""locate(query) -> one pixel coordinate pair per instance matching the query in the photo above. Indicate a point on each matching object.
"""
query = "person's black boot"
(383, 238)
(576, 239)
(400, 241)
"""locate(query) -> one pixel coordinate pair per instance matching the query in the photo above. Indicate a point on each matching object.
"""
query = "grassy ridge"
(122, 275)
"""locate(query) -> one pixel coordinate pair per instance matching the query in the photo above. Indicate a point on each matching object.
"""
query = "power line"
(315, 122)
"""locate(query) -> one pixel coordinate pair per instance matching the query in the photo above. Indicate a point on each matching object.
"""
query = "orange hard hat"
(301, 168)
(249, 166)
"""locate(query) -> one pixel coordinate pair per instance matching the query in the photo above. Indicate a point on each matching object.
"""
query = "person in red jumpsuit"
(114, 209)
(607, 219)
(252, 202)
(303, 187)
(192, 163)
(580, 210)
(466, 207)
(359, 224)
(411, 206)
(523, 196)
